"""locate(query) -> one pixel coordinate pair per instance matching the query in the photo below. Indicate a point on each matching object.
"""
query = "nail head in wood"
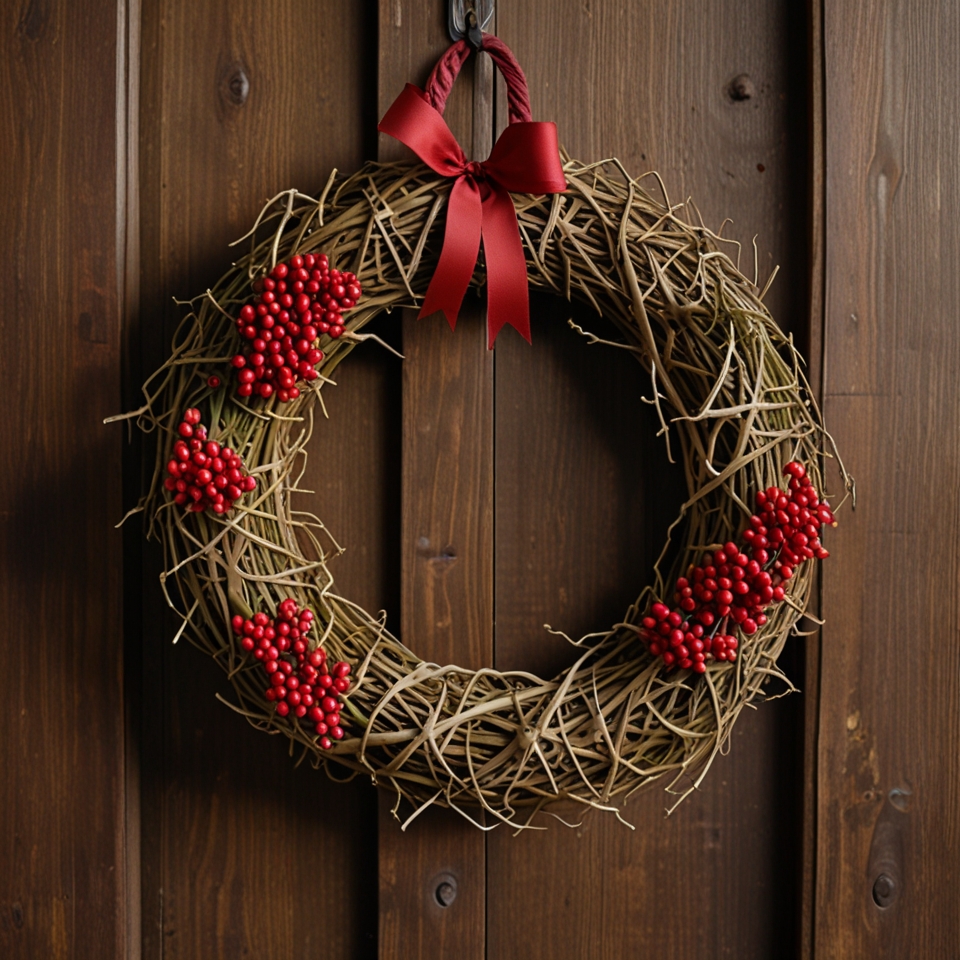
(884, 890)
(446, 892)
(741, 88)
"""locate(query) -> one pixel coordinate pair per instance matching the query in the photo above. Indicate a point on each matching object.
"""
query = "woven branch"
(733, 405)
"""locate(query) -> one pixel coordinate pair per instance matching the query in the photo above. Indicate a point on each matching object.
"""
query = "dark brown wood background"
(480, 495)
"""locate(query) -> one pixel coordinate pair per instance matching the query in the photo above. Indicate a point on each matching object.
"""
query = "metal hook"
(467, 19)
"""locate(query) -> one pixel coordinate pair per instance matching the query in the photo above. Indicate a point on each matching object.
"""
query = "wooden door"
(480, 494)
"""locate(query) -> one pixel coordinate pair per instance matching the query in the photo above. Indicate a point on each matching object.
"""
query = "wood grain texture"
(584, 493)
(650, 83)
(812, 647)
(446, 529)
(446, 616)
(889, 771)
(584, 490)
(242, 853)
(128, 121)
(62, 871)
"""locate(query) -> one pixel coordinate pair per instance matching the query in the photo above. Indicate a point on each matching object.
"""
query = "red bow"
(526, 159)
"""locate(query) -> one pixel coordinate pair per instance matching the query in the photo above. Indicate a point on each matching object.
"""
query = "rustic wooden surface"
(62, 869)
(552, 508)
(889, 763)
(810, 655)
(243, 854)
(584, 494)
(446, 612)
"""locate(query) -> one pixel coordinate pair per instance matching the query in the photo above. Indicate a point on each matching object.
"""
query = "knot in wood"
(234, 84)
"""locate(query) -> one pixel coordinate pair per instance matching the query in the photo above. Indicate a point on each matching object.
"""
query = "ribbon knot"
(525, 159)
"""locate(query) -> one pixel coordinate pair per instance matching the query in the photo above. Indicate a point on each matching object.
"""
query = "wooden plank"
(243, 854)
(890, 709)
(447, 526)
(128, 116)
(584, 492)
(62, 881)
(446, 535)
(814, 353)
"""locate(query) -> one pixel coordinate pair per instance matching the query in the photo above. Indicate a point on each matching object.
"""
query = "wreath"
(654, 695)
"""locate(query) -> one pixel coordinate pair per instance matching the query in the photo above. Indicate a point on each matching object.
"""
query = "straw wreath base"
(496, 746)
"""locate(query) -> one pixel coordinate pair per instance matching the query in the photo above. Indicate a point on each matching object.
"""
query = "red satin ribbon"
(526, 159)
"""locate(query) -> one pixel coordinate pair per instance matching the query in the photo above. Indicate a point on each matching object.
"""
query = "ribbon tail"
(461, 244)
(508, 299)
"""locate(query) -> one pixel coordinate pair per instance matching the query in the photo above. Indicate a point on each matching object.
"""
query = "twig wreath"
(654, 695)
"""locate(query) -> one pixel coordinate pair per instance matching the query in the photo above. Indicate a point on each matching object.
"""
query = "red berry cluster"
(300, 679)
(202, 474)
(731, 590)
(300, 300)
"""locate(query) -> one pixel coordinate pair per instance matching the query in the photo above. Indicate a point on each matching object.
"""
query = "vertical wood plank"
(62, 884)
(814, 353)
(243, 854)
(128, 115)
(447, 524)
(446, 530)
(584, 492)
(889, 773)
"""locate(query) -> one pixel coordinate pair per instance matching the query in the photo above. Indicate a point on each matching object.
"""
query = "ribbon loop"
(525, 159)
